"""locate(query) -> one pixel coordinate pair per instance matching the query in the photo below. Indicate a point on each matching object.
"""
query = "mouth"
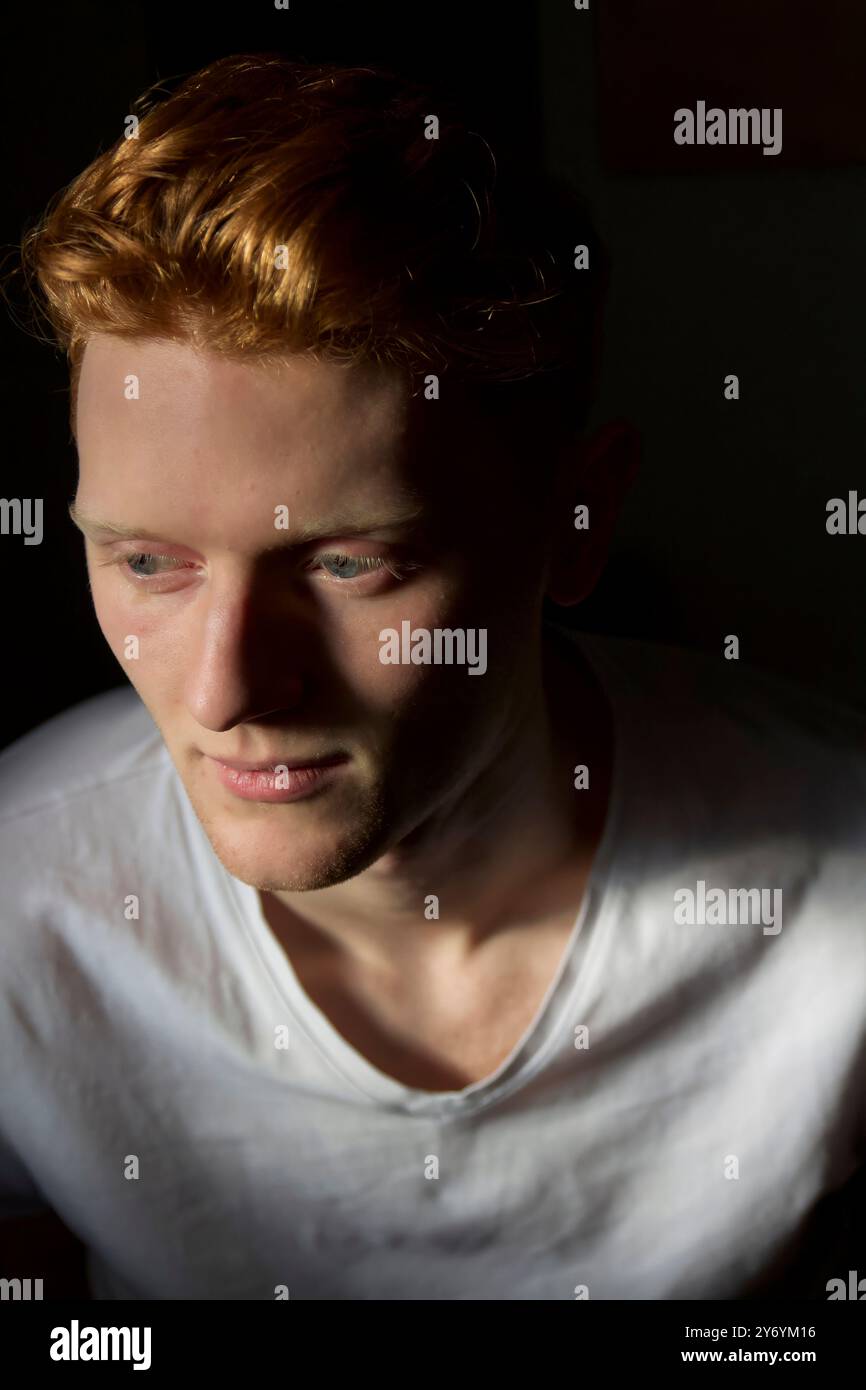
(269, 764)
(279, 781)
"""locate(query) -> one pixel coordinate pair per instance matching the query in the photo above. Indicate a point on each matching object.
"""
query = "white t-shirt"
(684, 1098)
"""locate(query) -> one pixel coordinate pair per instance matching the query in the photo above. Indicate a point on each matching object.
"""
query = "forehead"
(166, 416)
(150, 389)
(227, 439)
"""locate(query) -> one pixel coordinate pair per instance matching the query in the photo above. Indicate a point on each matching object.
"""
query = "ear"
(597, 475)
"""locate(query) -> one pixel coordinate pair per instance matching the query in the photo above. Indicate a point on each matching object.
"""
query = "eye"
(348, 566)
(144, 557)
(138, 565)
(145, 569)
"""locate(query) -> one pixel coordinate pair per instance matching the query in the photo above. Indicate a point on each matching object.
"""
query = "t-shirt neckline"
(576, 968)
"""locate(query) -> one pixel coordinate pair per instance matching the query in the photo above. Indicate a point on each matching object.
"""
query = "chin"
(273, 855)
(297, 878)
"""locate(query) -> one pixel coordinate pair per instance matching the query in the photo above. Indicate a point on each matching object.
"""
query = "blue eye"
(146, 557)
(144, 565)
(348, 566)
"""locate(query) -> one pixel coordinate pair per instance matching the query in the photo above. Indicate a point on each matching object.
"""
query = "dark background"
(724, 260)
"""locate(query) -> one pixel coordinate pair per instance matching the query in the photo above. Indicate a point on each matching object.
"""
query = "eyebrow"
(99, 528)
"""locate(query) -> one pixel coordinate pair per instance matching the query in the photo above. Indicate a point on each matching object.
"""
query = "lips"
(260, 781)
(268, 764)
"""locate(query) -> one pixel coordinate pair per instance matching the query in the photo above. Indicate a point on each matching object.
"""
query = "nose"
(244, 660)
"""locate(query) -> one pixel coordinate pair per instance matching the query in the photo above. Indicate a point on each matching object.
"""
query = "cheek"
(111, 611)
(353, 632)
(356, 643)
(134, 637)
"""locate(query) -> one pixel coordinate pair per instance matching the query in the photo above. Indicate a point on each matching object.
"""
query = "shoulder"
(759, 740)
(100, 742)
(681, 676)
(77, 795)
(749, 788)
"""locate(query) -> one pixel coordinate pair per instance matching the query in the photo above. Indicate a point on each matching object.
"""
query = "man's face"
(260, 642)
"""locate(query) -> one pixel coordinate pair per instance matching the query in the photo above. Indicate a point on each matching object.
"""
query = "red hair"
(270, 206)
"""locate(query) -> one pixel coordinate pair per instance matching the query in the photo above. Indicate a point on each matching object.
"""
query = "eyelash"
(369, 564)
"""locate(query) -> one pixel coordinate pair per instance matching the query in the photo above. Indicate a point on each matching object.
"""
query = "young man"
(361, 948)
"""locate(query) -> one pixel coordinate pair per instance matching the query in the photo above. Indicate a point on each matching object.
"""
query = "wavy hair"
(269, 206)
